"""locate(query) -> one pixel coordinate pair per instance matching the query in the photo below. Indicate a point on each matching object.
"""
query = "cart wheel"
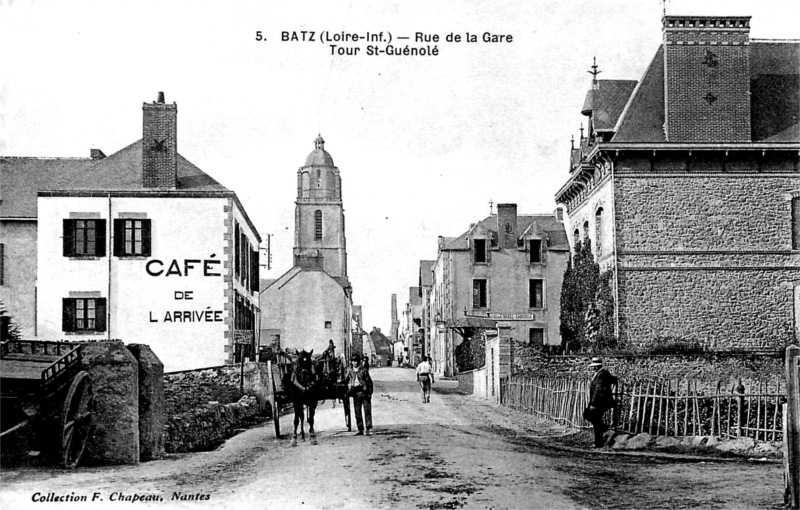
(76, 419)
(276, 417)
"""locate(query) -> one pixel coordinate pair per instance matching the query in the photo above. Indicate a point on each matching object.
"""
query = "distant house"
(141, 246)
(505, 270)
(380, 348)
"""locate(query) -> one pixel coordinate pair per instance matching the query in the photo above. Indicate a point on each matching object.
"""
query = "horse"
(303, 392)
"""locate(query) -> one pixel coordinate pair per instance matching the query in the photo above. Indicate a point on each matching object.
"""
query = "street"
(456, 452)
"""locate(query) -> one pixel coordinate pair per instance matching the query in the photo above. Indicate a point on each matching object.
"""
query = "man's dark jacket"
(601, 396)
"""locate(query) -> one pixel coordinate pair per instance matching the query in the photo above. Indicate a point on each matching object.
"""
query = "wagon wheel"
(276, 417)
(76, 419)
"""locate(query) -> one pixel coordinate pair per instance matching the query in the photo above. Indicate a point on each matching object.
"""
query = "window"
(576, 237)
(2, 263)
(536, 251)
(318, 225)
(536, 293)
(83, 314)
(131, 237)
(586, 230)
(598, 223)
(479, 293)
(479, 245)
(328, 325)
(796, 223)
(84, 238)
(536, 337)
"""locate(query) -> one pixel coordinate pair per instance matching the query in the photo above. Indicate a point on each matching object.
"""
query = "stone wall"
(706, 257)
(206, 406)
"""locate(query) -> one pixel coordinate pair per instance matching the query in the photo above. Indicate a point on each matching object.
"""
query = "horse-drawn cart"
(43, 389)
(327, 374)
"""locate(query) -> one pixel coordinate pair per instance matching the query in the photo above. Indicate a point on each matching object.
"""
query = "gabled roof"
(23, 178)
(543, 225)
(382, 344)
(295, 271)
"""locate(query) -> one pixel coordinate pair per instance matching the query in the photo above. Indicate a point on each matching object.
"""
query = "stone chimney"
(160, 144)
(707, 78)
(507, 225)
(96, 154)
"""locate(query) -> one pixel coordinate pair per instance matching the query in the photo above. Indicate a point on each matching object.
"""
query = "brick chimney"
(507, 225)
(160, 144)
(707, 78)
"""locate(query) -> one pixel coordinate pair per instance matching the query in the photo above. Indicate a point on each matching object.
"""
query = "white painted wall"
(142, 305)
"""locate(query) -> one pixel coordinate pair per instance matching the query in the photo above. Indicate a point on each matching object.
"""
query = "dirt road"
(456, 452)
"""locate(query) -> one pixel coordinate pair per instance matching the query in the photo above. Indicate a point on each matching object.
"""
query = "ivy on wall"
(587, 303)
(8, 329)
(471, 352)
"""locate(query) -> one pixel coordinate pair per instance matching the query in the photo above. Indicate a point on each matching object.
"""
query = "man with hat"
(359, 386)
(601, 399)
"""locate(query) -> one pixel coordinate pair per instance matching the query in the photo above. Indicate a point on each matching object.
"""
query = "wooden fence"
(658, 407)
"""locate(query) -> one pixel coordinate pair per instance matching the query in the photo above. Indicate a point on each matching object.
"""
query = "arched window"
(318, 225)
(598, 232)
(585, 230)
(576, 237)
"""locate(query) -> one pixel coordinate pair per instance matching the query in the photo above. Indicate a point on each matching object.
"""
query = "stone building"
(504, 271)
(425, 288)
(687, 184)
(311, 303)
(141, 246)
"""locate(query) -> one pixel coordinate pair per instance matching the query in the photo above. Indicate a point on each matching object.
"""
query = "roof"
(606, 102)
(426, 272)
(23, 178)
(545, 226)
(319, 157)
(774, 97)
(294, 271)
(414, 296)
(382, 344)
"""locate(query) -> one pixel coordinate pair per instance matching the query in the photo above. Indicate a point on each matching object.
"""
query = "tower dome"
(319, 156)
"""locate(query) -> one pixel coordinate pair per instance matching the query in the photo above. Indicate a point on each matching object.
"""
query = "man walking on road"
(601, 399)
(425, 378)
(359, 386)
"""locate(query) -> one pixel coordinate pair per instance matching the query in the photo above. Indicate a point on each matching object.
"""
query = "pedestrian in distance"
(425, 378)
(359, 387)
(601, 399)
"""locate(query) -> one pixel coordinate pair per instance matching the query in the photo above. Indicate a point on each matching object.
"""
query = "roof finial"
(490, 206)
(572, 142)
(581, 131)
(594, 72)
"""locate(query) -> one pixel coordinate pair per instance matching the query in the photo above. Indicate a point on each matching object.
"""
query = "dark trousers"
(595, 417)
(363, 401)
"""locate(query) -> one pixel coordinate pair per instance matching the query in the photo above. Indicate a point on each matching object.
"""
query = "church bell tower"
(319, 214)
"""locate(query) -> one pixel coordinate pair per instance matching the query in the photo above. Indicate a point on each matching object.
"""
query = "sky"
(423, 143)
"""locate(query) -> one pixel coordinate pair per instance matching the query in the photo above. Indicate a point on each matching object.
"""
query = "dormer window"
(479, 248)
(535, 247)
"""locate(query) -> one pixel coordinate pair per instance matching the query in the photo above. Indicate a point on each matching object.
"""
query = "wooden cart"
(43, 389)
(280, 373)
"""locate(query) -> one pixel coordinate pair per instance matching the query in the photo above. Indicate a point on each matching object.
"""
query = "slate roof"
(774, 97)
(607, 101)
(22, 178)
(544, 225)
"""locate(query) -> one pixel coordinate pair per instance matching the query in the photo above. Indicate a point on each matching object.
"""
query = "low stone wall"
(708, 368)
(209, 425)
(466, 383)
(206, 406)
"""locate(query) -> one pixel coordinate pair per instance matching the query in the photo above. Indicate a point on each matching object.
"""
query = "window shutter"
(69, 238)
(146, 236)
(100, 314)
(119, 237)
(100, 241)
(67, 314)
(254, 282)
(236, 254)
